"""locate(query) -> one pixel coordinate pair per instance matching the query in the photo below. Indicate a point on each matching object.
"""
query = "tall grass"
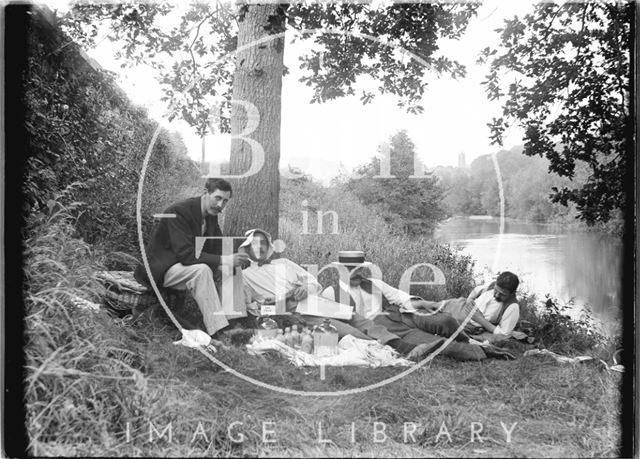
(82, 373)
(362, 228)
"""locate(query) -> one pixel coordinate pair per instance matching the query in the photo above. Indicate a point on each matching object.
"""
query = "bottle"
(306, 344)
(325, 339)
(287, 337)
(295, 338)
(280, 335)
(266, 328)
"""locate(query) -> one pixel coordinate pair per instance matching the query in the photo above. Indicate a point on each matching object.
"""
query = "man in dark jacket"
(174, 260)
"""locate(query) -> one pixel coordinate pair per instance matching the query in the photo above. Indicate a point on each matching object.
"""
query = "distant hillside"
(525, 180)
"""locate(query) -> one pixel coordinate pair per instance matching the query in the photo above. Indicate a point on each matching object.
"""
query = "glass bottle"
(266, 328)
(295, 337)
(325, 339)
(287, 337)
(306, 344)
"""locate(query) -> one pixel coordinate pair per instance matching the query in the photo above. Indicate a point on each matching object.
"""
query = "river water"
(585, 267)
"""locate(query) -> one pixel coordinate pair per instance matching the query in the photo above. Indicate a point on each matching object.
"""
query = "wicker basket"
(123, 300)
(123, 292)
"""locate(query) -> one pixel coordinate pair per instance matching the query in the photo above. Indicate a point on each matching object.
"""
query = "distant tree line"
(527, 186)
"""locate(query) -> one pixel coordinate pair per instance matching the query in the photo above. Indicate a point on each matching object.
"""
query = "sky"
(324, 139)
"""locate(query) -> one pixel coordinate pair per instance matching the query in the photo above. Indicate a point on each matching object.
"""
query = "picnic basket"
(123, 292)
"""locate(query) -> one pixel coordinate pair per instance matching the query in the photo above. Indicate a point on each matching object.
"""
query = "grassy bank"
(96, 385)
(555, 410)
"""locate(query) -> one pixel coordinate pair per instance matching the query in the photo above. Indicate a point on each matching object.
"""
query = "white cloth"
(369, 305)
(490, 308)
(275, 279)
(193, 338)
(577, 359)
(352, 352)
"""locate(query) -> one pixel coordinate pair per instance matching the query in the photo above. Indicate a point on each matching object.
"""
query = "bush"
(83, 131)
(555, 330)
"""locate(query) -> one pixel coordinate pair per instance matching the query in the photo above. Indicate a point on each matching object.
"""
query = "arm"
(394, 295)
(476, 292)
(509, 320)
(308, 283)
(328, 293)
(483, 322)
(183, 244)
(507, 323)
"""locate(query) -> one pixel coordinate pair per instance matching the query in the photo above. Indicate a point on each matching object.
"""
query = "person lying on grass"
(267, 279)
(498, 309)
(497, 314)
(400, 313)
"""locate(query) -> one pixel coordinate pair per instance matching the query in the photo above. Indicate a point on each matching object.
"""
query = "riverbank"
(614, 228)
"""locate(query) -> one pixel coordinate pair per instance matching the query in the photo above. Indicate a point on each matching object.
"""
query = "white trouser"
(198, 280)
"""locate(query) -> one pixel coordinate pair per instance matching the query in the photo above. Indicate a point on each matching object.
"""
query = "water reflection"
(548, 259)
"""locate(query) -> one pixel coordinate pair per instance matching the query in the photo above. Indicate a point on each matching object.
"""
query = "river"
(568, 264)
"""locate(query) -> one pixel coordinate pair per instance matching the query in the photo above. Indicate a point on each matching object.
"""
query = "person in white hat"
(268, 280)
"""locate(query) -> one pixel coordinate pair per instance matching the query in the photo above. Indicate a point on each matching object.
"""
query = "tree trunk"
(257, 82)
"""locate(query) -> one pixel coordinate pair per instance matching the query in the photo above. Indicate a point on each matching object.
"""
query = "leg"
(231, 288)
(399, 329)
(343, 328)
(455, 350)
(372, 329)
(198, 279)
(440, 323)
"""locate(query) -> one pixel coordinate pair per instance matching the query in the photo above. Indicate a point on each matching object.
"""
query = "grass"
(362, 228)
(91, 378)
(560, 410)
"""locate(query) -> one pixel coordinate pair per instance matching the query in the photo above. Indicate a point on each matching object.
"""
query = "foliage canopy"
(570, 91)
(351, 41)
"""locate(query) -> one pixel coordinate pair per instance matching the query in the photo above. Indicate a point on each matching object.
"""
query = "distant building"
(462, 160)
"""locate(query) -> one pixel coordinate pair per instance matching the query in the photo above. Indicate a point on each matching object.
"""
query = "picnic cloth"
(577, 359)
(193, 338)
(352, 352)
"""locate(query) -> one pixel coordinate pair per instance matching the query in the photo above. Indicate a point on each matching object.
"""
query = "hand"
(298, 293)
(428, 306)
(291, 305)
(241, 260)
(269, 300)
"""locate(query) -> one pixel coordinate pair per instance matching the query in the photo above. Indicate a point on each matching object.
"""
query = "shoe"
(495, 352)
(421, 351)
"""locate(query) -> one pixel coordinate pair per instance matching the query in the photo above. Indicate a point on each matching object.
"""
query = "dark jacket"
(173, 241)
